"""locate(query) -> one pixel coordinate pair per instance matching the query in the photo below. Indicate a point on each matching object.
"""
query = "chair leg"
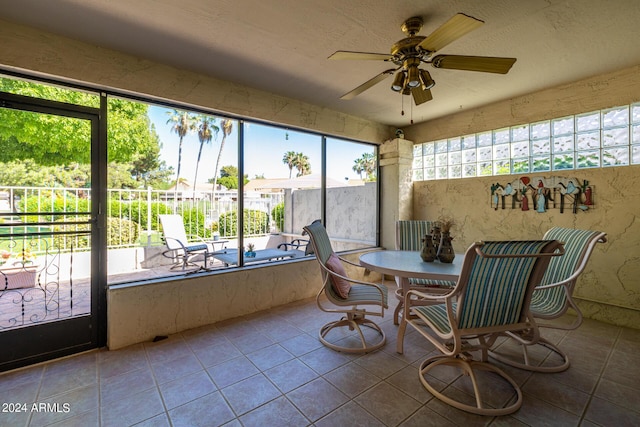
(396, 312)
(468, 368)
(353, 323)
(400, 341)
(526, 363)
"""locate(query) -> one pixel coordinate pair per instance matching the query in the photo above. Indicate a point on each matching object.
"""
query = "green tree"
(369, 165)
(289, 159)
(358, 166)
(302, 164)
(57, 140)
(227, 127)
(365, 164)
(62, 142)
(206, 131)
(229, 177)
(182, 122)
(277, 214)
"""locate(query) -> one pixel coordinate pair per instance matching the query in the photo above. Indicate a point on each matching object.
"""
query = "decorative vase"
(250, 254)
(445, 251)
(428, 252)
(436, 236)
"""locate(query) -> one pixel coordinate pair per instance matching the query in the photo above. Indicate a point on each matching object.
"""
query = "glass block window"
(609, 137)
(468, 141)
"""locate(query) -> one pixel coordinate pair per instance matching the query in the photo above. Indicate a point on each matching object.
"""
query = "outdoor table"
(230, 256)
(408, 264)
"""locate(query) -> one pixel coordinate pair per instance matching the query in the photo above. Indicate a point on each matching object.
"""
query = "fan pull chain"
(411, 112)
(401, 105)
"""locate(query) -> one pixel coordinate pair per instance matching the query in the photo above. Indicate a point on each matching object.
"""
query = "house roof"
(281, 46)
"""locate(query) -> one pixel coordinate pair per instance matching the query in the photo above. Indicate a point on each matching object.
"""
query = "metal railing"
(132, 215)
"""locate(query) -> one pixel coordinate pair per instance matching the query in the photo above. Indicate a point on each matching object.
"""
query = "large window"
(351, 203)
(609, 137)
(234, 183)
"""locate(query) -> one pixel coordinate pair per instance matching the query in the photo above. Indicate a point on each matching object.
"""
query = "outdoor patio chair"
(551, 300)
(300, 246)
(492, 295)
(409, 235)
(348, 297)
(179, 247)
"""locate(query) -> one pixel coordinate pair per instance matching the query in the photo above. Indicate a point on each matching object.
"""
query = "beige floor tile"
(269, 368)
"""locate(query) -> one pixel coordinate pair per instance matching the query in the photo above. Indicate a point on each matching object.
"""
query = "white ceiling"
(281, 46)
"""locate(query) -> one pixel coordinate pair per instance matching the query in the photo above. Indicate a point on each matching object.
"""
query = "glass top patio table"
(230, 256)
(408, 264)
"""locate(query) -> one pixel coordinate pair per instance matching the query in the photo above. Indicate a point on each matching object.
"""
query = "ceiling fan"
(408, 53)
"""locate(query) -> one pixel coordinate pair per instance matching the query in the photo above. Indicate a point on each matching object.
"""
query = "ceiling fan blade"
(456, 27)
(343, 54)
(369, 83)
(485, 64)
(420, 96)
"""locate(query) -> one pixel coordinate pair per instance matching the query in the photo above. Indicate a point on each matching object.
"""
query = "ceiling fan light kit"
(398, 82)
(409, 53)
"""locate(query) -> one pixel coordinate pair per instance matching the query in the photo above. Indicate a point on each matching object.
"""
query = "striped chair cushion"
(436, 314)
(497, 287)
(321, 240)
(360, 294)
(409, 234)
(442, 284)
(548, 302)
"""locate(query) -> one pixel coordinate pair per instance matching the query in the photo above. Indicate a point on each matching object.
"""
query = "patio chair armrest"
(349, 262)
(184, 248)
(566, 283)
(428, 296)
(300, 245)
(347, 278)
(195, 237)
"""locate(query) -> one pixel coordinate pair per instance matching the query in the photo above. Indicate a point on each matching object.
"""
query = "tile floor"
(269, 369)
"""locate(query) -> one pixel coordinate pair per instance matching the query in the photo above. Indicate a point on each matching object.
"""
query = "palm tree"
(301, 163)
(206, 130)
(227, 126)
(358, 166)
(181, 123)
(366, 163)
(289, 159)
(369, 162)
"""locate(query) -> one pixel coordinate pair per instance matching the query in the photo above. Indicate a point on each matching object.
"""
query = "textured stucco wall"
(610, 287)
(24, 48)
(612, 277)
(138, 313)
(357, 203)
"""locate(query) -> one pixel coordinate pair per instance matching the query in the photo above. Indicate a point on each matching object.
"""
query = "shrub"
(194, 220)
(137, 211)
(55, 201)
(120, 232)
(277, 214)
(255, 222)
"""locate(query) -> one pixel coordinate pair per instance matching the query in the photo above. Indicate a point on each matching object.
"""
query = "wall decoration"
(540, 194)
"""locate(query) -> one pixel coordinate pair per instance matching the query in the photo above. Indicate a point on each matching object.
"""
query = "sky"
(265, 147)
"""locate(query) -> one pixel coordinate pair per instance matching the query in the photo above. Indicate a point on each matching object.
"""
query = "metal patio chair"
(551, 300)
(179, 247)
(351, 303)
(492, 296)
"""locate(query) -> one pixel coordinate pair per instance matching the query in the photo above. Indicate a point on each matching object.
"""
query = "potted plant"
(250, 253)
